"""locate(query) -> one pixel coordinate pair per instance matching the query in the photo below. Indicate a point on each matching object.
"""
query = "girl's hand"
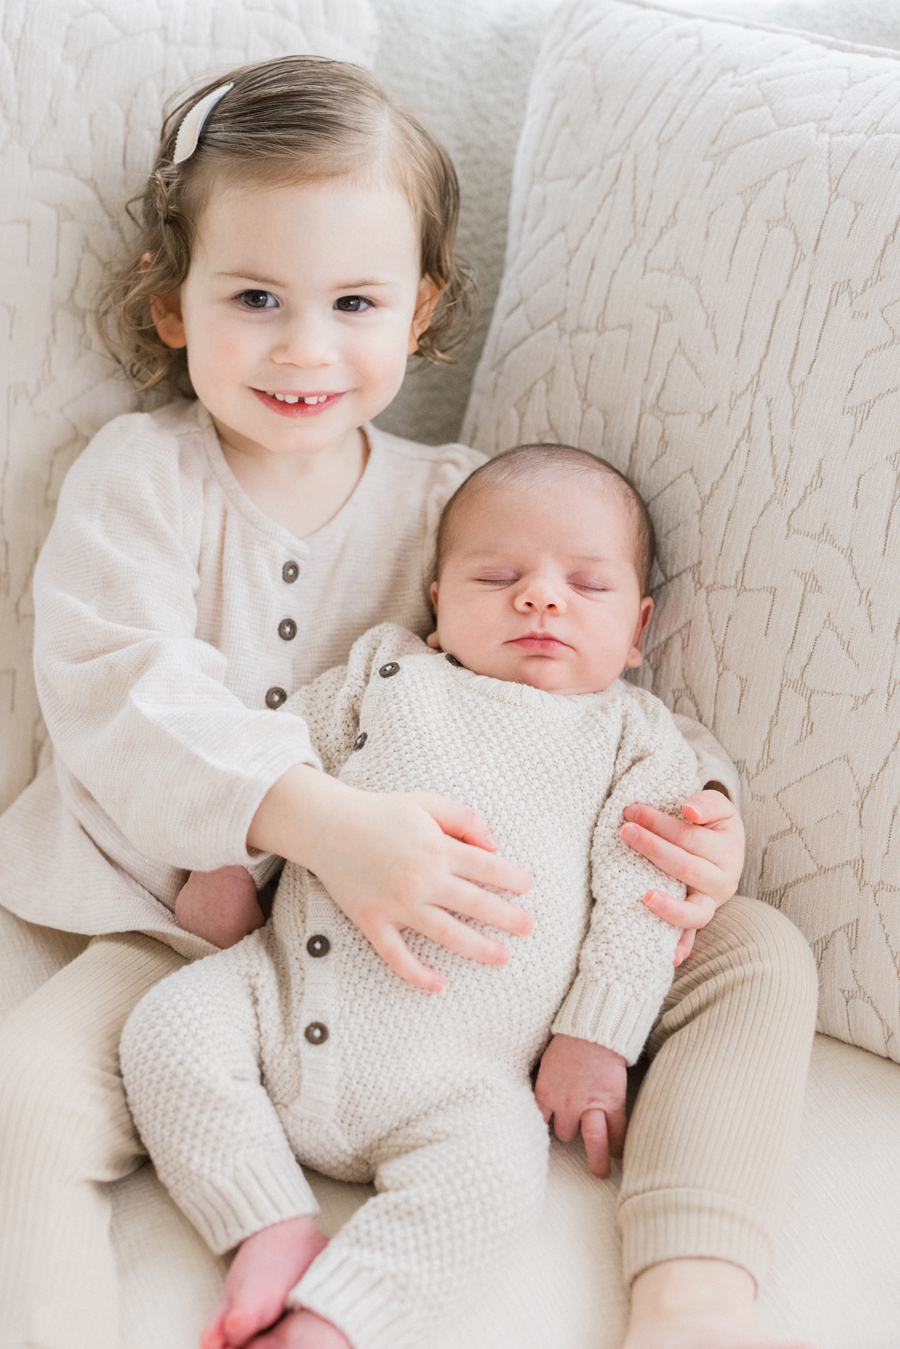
(582, 1086)
(397, 860)
(705, 851)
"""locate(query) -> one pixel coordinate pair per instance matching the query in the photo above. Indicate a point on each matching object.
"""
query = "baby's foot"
(265, 1269)
(302, 1330)
(220, 906)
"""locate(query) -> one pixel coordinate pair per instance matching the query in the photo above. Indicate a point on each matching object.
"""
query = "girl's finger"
(692, 837)
(596, 1142)
(695, 872)
(485, 868)
(389, 944)
(709, 807)
(471, 901)
(442, 927)
(684, 946)
(693, 912)
(458, 821)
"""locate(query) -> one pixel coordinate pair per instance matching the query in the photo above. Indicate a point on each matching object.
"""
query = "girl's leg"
(65, 1130)
(711, 1142)
(31, 956)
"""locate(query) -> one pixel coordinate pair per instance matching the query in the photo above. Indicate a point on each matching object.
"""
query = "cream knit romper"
(300, 1044)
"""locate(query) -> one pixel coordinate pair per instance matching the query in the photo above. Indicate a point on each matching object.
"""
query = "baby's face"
(538, 585)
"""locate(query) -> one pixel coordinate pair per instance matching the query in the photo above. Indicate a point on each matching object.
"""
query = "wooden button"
(275, 697)
(360, 740)
(289, 572)
(316, 1033)
(287, 629)
(318, 945)
(391, 668)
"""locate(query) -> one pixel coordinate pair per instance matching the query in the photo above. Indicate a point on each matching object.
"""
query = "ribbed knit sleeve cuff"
(228, 1209)
(606, 1015)
(359, 1301)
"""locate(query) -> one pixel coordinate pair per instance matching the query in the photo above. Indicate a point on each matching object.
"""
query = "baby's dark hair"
(531, 462)
(294, 119)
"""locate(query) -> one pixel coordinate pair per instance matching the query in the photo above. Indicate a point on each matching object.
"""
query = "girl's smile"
(298, 404)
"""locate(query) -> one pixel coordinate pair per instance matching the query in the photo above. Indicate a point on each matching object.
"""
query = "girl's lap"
(31, 956)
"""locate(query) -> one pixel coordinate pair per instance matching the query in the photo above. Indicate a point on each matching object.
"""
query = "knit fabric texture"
(287, 1047)
(163, 595)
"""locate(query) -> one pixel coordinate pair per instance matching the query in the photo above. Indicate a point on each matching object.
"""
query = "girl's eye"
(593, 587)
(258, 299)
(353, 304)
(495, 580)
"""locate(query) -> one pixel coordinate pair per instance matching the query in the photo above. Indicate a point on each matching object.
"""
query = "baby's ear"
(434, 640)
(636, 654)
(427, 298)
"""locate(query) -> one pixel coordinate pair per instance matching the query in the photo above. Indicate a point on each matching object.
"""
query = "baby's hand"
(582, 1086)
(219, 906)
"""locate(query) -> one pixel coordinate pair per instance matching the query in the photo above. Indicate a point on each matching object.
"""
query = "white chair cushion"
(702, 284)
(84, 86)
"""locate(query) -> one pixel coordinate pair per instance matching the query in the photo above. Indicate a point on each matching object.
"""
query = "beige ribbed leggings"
(707, 1158)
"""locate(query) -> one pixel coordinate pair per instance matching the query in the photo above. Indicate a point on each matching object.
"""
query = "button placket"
(317, 1031)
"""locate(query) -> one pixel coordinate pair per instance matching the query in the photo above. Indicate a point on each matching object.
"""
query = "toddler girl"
(210, 557)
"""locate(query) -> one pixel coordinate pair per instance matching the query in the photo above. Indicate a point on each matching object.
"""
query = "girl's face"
(299, 310)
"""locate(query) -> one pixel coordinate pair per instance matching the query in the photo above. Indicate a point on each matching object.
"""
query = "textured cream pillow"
(703, 283)
(84, 84)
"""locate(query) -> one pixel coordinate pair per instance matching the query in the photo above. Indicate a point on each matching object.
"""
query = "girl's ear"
(165, 311)
(636, 655)
(426, 300)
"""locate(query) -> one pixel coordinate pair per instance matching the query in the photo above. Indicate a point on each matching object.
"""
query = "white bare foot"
(220, 906)
(267, 1266)
(697, 1304)
(302, 1330)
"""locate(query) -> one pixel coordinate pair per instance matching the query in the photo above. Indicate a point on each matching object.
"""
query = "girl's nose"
(303, 341)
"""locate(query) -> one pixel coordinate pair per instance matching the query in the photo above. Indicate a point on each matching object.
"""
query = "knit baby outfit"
(301, 1043)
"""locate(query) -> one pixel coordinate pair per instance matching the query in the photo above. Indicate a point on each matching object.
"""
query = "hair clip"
(192, 123)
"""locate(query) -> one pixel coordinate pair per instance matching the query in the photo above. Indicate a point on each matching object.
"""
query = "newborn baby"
(300, 1045)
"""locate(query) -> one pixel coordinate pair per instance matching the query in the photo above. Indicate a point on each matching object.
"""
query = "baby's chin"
(542, 672)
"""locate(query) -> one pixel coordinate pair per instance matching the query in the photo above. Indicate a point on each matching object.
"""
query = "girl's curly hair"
(292, 119)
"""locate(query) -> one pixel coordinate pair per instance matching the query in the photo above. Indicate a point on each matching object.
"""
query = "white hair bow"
(192, 123)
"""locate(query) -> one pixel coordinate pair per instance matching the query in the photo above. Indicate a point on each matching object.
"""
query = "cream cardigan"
(168, 607)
